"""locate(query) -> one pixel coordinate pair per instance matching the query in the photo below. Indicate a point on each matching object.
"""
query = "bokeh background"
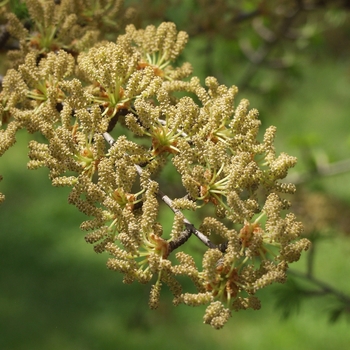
(291, 60)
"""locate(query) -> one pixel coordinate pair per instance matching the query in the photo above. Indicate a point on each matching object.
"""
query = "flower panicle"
(126, 93)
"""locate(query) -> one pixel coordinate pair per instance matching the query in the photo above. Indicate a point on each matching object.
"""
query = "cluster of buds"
(111, 121)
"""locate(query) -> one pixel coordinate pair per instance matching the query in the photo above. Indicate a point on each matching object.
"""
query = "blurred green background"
(56, 293)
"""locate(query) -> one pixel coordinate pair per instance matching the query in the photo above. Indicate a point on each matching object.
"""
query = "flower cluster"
(125, 93)
(72, 25)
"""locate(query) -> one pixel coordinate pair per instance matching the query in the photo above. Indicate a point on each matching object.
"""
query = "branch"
(343, 166)
(325, 288)
(190, 228)
(109, 138)
(245, 16)
(258, 57)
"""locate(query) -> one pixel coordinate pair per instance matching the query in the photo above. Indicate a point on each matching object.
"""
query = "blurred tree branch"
(321, 169)
(270, 39)
(323, 288)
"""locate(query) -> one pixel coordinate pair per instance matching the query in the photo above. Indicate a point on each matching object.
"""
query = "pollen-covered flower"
(159, 47)
(121, 126)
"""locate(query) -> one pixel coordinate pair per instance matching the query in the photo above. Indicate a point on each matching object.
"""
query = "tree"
(108, 116)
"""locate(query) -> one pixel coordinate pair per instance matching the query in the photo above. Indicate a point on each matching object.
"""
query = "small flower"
(216, 315)
(159, 47)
